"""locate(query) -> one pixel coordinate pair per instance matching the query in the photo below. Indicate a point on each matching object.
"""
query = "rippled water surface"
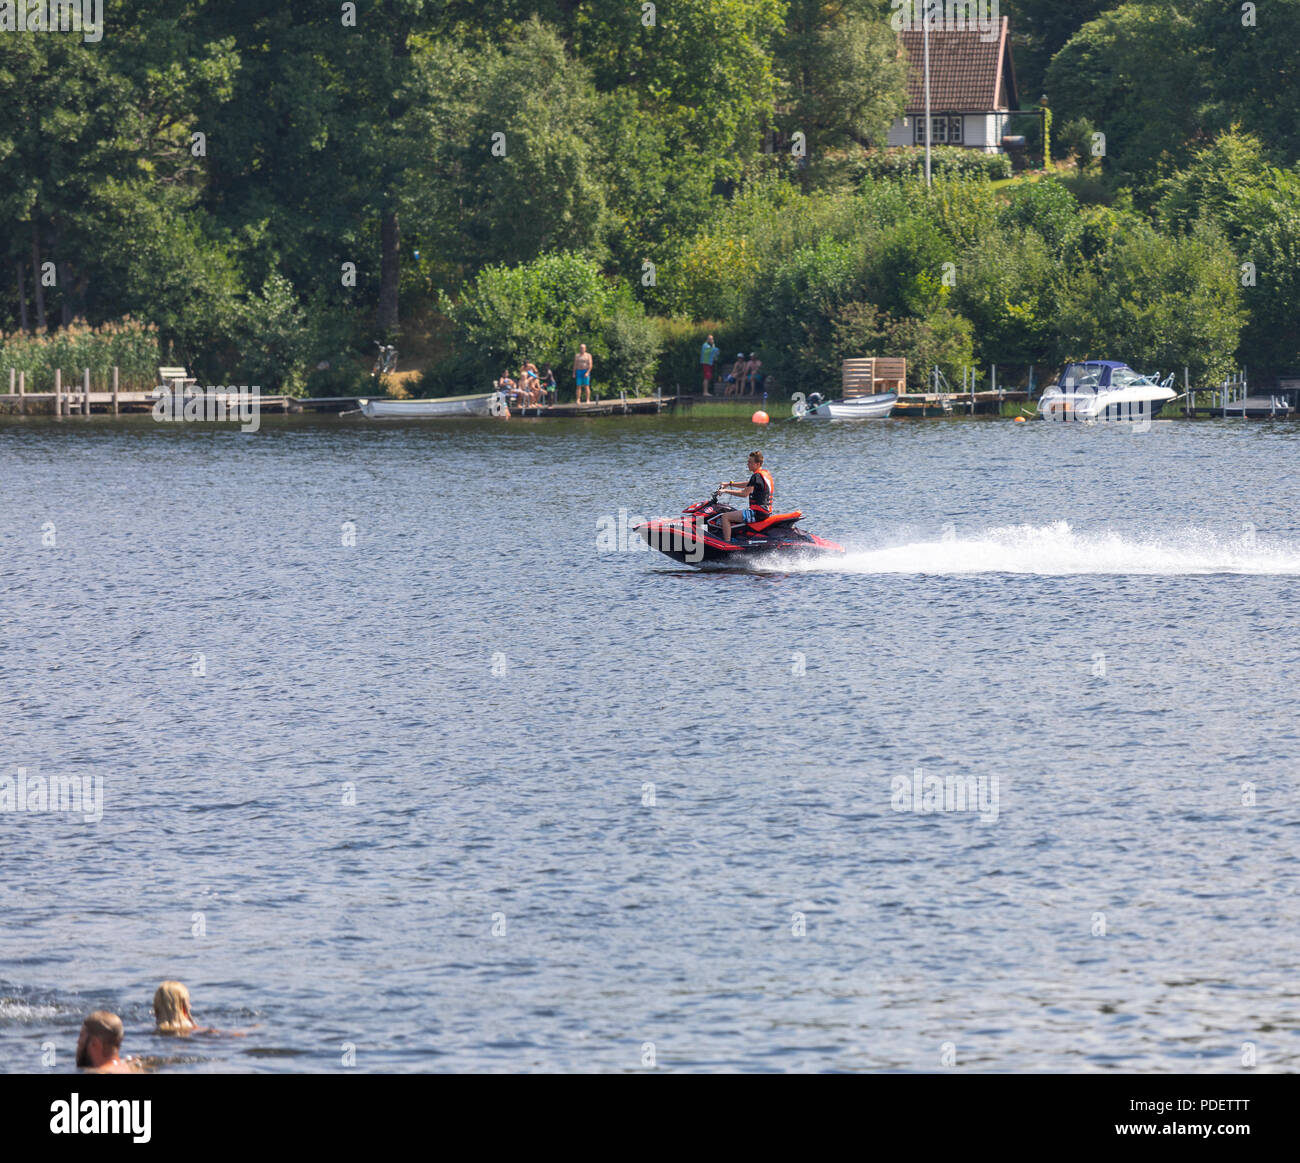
(604, 801)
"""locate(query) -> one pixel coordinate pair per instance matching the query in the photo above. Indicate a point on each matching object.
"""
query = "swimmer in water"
(171, 1011)
(100, 1044)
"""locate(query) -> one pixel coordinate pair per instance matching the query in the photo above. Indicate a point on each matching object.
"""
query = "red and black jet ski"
(694, 539)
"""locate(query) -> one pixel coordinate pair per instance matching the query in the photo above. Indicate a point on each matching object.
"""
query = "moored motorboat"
(481, 404)
(1103, 389)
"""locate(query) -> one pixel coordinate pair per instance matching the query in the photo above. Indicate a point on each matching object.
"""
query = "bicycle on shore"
(385, 360)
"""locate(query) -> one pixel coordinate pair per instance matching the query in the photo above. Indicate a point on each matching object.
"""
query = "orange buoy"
(761, 417)
(1020, 419)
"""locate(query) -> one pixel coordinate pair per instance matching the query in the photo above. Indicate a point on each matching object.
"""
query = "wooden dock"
(615, 406)
(687, 399)
(919, 405)
(79, 403)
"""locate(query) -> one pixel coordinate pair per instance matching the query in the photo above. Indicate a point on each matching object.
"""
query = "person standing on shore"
(582, 372)
(708, 356)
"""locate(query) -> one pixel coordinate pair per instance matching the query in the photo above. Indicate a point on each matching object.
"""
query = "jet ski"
(694, 539)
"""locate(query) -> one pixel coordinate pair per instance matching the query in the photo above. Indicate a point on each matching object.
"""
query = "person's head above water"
(100, 1039)
(755, 460)
(171, 1008)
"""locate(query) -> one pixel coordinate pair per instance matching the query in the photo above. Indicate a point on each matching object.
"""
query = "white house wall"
(980, 131)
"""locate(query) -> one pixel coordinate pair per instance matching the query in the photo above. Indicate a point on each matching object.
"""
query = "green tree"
(1159, 303)
(503, 164)
(1040, 29)
(1253, 76)
(1257, 205)
(843, 77)
(1008, 289)
(1136, 73)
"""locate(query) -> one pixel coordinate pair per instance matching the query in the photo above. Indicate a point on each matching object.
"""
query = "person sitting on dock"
(742, 378)
(529, 383)
(759, 490)
(731, 384)
(99, 1045)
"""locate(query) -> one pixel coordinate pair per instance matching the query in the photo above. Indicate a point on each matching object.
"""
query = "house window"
(943, 130)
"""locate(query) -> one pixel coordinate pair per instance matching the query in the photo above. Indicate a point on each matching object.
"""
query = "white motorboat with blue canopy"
(1104, 389)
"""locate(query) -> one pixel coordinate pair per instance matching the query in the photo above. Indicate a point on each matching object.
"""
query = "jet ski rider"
(758, 490)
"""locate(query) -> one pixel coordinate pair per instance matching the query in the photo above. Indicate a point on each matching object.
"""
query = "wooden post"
(58, 391)
(22, 393)
(85, 394)
(115, 390)
(1187, 391)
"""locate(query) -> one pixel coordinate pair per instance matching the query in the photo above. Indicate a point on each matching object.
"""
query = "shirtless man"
(100, 1043)
(736, 377)
(582, 372)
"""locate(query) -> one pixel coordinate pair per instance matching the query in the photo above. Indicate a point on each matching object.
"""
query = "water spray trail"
(1055, 550)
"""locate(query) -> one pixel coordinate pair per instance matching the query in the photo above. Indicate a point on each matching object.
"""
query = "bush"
(1158, 303)
(630, 352)
(952, 160)
(1048, 208)
(273, 339)
(1074, 140)
(793, 301)
(860, 329)
(542, 310)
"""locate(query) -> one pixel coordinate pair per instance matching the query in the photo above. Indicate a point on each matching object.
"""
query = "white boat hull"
(1137, 403)
(877, 407)
(479, 405)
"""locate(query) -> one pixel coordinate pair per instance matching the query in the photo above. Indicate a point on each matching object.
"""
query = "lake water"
(475, 794)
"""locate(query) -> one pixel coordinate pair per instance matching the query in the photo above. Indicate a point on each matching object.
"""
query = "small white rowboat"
(877, 407)
(483, 404)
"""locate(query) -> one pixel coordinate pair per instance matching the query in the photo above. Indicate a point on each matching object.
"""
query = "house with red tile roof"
(972, 88)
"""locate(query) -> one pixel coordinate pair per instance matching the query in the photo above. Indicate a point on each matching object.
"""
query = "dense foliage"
(271, 187)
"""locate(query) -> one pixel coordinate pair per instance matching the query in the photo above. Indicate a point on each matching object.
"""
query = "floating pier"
(918, 405)
(621, 405)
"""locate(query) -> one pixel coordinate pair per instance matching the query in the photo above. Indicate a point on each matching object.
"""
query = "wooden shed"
(871, 376)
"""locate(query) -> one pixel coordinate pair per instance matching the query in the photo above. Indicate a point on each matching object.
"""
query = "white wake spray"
(1056, 549)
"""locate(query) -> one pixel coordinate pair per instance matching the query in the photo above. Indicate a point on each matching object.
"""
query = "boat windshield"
(1126, 377)
(1081, 375)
